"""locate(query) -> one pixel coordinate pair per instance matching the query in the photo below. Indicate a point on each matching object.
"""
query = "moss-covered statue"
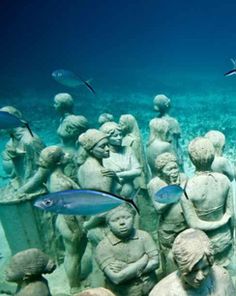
(26, 269)
(127, 256)
(220, 163)
(197, 275)
(210, 196)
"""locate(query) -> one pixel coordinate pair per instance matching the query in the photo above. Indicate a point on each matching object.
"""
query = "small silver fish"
(69, 79)
(233, 71)
(83, 202)
(169, 194)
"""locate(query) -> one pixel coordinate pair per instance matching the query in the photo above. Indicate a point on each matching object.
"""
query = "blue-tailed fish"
(233, 71)
(169, 194)
(83, 202)
(9, 121)
(70, 79)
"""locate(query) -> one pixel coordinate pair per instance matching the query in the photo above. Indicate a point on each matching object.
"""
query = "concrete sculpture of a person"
(171, 218)
(105, 117)
(21, 153)
(220, 163)
(197, 275)
(127, 256)
(210, 195)
(158, 141)
(162, 105)
(26, 269)
(121, 160)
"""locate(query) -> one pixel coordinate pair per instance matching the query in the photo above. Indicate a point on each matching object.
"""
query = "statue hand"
(109, 173)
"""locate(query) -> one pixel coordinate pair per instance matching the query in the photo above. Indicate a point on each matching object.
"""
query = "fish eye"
(47, 202)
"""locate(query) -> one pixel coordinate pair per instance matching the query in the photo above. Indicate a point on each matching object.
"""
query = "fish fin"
(185, 193)
(25, 123)
(88, 85)
(124, 199)
(234, 62)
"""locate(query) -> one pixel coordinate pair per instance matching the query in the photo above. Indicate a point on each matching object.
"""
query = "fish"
(233, 71)
(84, 202)
(70, 79)
(169, 194)
(9, 121)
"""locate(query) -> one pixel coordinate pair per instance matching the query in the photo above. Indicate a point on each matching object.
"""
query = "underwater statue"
(21, 154)
(132, 138)
(96, 292)
(210, 196)
(121, 160)
(105, 117)
(158, 142)
(220, 163)
(127, 256)
(162, 104)
(26, 269)
(171, 219)
(197, 275)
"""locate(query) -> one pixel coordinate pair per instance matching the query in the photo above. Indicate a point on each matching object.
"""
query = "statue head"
(95, 292)
(121, 221)
(161, 104)
(113, 132)
(63, 103)
(51, 157)
(28, 264)
(201, 153)
(105, 117)
(73, 126)
(193, 254)
(12, 110)
(128, 124)
(95, 142)
(217, 139)
(167, 167)
(159, 128)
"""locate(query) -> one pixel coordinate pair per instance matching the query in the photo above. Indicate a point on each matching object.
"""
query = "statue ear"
(27, 276)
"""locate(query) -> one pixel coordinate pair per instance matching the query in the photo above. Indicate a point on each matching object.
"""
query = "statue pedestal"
(20, 224)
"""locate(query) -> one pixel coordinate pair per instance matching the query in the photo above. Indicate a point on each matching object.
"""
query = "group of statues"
(185, 247)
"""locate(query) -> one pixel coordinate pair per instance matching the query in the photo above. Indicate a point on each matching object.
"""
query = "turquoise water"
(132, 51)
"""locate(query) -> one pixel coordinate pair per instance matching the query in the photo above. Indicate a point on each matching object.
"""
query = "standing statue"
(210, 196)
(26, 269)
(197, 274)
(21, 153)
(171, 218)
(127, 256)
(121, 160)
(220, 163)
(162, 105)
(158, 141)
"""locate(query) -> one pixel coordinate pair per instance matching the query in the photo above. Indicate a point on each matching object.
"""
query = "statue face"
(196, 277)
(170, 172)
(101, 149)
(124, 126)
(115, 139)
(121, 224)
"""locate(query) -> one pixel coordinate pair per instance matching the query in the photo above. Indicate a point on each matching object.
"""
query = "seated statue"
(21, 153)
(162, 105)
(171, 218)
(220, 163)
(158, 141)
(127, 256)
(26, 269)
(210, 197)
(197, 275)
(122, 161)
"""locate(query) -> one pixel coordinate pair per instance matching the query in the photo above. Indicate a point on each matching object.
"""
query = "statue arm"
(36, 181)
(131, 271)
(194, 221)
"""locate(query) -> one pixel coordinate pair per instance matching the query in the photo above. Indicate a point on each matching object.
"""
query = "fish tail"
(29, 129)
(133, 205)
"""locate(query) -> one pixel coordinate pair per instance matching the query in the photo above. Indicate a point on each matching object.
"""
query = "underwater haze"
(128, 51)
